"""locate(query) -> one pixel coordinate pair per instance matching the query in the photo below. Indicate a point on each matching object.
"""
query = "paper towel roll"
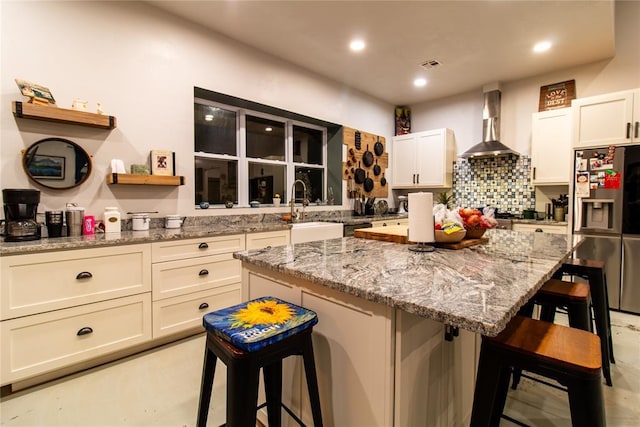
(421, 218)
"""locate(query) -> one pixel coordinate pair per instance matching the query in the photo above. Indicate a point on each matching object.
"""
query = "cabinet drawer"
(389, 222)
(175, 278)
(557, 229)
(177, 314)
(37, 283)
(192, 248)
(37, 344)
(268, 238)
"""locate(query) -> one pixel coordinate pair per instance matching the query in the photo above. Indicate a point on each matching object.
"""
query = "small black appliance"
(20, 208)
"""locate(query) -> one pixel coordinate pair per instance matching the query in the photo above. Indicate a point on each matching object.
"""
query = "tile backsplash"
(503, 182)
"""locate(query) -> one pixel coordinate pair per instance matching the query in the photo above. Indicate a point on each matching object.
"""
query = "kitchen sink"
(309, 231)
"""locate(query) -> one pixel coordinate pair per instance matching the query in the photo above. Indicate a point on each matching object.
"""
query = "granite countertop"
(478, 289)
(539, 222)
(133, 237)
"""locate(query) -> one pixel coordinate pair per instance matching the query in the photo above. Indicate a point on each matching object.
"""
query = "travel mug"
(75, 217)
(54, 221)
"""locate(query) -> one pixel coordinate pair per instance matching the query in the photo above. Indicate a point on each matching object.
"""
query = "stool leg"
(586, 403)
(273, 391)
(579, 315)
(486, 395)
(242, 393)
(606, 294)
(596, 285)
(527, 311)
(312, 380)
(208, 371)
(548, 312)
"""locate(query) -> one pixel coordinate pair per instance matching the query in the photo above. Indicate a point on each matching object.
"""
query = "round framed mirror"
(56, 163)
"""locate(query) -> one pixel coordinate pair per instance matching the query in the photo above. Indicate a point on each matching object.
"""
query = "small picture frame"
(42, 166)
(162, 162)
(36, 92)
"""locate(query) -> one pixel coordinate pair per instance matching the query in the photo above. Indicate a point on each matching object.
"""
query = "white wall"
(463, 113)
(142, 65)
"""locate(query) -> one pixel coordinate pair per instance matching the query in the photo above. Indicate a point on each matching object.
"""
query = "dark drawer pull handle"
(84, 331)
(203, 246)
(203, 272)
(203, 306)
(539, 230)
(84, 275)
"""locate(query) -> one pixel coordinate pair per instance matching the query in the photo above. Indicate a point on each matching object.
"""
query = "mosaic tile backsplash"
(503, 182)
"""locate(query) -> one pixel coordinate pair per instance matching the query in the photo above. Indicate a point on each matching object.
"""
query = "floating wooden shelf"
(129, 179)
(62, 115)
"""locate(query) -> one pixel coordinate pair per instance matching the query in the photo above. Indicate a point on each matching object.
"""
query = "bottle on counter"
(112, 220)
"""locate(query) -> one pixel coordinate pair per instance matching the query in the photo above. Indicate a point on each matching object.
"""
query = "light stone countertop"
(478, 289)
(135, 237)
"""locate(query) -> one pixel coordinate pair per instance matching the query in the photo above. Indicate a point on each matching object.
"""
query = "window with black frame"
(244, 156)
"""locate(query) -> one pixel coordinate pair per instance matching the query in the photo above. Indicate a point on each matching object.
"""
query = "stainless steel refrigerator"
(606, 206)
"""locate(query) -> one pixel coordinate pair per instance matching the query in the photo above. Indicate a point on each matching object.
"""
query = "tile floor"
(142, 391)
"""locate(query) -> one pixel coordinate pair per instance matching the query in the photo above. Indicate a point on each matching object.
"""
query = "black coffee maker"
(20, 208)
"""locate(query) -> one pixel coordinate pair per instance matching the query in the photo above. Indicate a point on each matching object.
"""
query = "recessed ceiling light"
(419, 82)
(268, 129)
(356, 45)
(208, 117)
(542, 46)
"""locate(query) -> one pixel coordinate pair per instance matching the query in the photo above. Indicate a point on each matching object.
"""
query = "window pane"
(265, 180)
(215, 131)
(265, 139)
(307, 145)
(216, 181)
(313, 179)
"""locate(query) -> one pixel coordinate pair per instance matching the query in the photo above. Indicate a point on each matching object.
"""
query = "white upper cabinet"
(551, 147)
(609, 119)
(423, 159)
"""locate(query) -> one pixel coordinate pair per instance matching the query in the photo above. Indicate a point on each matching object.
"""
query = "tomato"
(466, 212)
(438, 226)
(473, 220)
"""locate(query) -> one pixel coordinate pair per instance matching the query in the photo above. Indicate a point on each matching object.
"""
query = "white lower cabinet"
(37, 344)
(376, 366)
(205, 278)
(62, 308)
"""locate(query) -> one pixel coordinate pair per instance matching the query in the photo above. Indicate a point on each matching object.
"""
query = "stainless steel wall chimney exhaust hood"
(490, 145)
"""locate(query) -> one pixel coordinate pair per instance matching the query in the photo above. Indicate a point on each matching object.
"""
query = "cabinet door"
(431, 159)
(404, 161)
(551, 147)
(603, 120)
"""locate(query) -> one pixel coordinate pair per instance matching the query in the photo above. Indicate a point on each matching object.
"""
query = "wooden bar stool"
(558, 293)
(594, 273)
(253, 335)
(568, 355)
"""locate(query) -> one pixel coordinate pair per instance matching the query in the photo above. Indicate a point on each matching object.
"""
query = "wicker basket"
(475, 232)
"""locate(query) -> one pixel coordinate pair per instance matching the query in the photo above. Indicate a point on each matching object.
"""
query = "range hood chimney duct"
(490, 145)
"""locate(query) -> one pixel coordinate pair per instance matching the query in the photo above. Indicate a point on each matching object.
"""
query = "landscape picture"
(47, 167)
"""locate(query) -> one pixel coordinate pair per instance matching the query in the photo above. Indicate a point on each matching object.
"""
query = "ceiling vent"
(430, 63)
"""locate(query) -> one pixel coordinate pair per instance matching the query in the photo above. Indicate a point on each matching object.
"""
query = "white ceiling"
(477, 42)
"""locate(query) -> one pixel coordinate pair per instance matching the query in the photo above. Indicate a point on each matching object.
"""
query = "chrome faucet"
(305, 202)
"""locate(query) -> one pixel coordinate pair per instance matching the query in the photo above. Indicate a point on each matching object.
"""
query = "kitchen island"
(386, 345)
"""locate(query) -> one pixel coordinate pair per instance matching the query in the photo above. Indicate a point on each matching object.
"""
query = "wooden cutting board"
(398, 234)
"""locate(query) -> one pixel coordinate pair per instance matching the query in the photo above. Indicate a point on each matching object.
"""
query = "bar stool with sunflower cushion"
(246, 337)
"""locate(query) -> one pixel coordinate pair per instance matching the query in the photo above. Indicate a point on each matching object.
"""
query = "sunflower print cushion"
(257, 323)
